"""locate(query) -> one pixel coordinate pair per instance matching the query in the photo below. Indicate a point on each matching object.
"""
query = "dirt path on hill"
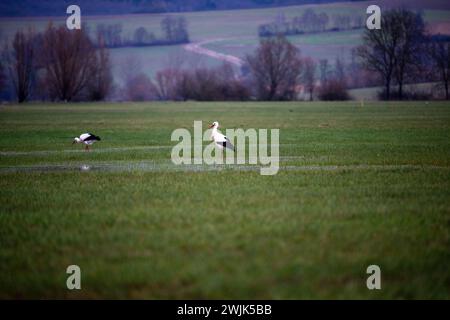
(197, 48)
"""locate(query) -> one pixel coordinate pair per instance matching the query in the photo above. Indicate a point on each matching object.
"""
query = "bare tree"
(175, 29)
(2, 77)
(168, 27)
(333, 89)
(102, 80)
(323, 21)
(393, 48)
(2, 70)
(69, 58)
(139, 88)
(339, 69)
(310, 20)
(142, 37)
(324, 70)
(20, 61)
(111, 34)
(182, 34)
(309, 76)
(167, 84)
(275, 68)
(440, 56)
(410, 49)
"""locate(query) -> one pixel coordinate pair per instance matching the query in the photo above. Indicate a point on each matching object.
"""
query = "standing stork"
(221, 141)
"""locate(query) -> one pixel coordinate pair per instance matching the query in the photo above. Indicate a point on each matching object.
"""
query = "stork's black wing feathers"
(228, 144)
(92, 137)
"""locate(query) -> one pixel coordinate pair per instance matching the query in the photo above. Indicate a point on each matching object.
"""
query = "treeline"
(401, 52)
(201, 84)
(63, 65)
(173, 28)
(58, 65)
(310, 22)
(66, 65)
(72, 65)
(276, 71)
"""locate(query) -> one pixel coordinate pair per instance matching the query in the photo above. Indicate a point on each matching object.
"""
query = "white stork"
(87, 139)
(221, 141)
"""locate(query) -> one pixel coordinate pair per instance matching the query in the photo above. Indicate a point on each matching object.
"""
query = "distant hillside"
(14, 8)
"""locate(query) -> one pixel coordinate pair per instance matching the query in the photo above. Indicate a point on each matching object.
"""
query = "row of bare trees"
(201, 84)
(279, 72)
(276, 71)
(310, 22)
(20, 64)
(58, 64)
(401, 52)
(174, 31)
(439, 50)
(63, 65)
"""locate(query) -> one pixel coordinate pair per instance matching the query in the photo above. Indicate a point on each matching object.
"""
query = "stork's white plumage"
(87, 139)
(221, 141)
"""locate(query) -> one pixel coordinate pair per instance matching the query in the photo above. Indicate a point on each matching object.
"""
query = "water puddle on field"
(78, 150)
(108, 150)
(170, 167)
(126, 167)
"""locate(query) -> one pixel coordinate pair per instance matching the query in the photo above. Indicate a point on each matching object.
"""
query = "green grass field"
(357, 186)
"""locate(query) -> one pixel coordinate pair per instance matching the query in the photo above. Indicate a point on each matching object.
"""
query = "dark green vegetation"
(358, 185)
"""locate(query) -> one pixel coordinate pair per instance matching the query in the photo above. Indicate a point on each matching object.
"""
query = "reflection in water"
(150, 166)
(124, 166)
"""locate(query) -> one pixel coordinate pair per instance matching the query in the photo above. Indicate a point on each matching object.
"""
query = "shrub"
(333, 89)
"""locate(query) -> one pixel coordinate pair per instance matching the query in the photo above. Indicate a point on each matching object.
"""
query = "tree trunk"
(388, 89)
(272, 92)
(446, 90)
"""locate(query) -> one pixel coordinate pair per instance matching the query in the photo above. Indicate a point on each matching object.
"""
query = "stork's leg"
(86, 148)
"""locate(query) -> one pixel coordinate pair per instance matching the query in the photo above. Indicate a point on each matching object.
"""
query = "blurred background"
(209, 50)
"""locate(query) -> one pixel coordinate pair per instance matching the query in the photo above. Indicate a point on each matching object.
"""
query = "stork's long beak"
(73, 142)
(210, 126)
